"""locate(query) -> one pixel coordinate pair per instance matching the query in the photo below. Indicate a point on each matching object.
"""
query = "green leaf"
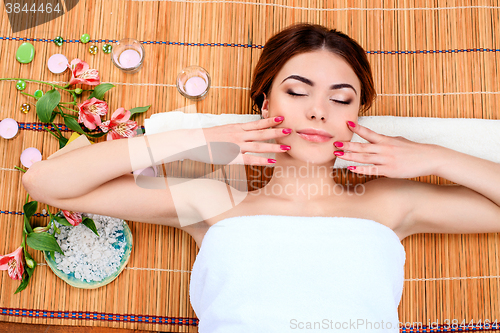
(72, 124)
(139, 110)
(62, 141)
(43, 242)
(54, 114)
(90, 224)
(100, 90)
(52, 254)
(27, 226)
(46, 105)
(24, 283)
(63, 221)
(30, 208)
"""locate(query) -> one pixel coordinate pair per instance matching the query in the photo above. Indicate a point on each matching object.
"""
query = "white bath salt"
(87, 256)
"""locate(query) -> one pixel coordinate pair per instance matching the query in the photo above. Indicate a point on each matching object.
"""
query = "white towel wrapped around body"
(476, 137)
(267, 273)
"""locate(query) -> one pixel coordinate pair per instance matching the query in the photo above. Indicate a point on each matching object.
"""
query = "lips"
(314, 135)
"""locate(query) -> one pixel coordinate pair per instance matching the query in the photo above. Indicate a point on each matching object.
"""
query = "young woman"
(307, 251)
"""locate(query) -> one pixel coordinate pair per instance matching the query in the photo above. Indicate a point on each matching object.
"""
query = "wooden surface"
(429, 59)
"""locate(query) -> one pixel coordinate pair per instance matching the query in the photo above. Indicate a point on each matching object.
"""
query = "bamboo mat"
(427, 61)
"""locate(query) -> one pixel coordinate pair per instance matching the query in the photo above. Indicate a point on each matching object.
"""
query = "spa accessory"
(25, 108)
(193, 83)
(106, 48)
(58, 41)
(257, 273)
(85, 38)
(57, 63)
(38, 94)
(8, 128)
(476, 137)
(21, 85)
(128, 55)
(25, 53)
(93, 49)
(29, 156)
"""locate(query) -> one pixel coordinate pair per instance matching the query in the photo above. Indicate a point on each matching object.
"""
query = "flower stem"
(57, 129)
(45, 127)
(28, 94)
(73, 103)
(50, 84)
(16, 167)
(62, 106)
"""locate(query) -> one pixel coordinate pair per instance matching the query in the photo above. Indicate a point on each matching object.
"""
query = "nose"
(318, 111)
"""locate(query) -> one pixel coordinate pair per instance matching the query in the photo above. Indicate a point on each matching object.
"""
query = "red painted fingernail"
(283, 147)
(351, 167)
(338, 144)
(270, 160)
(278, 119)
(350, 123)
(287, 131)
(338, 153)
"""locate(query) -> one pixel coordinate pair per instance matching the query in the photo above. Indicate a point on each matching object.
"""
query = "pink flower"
(73, 217)
(13, 263)
(80, 73)
(91, 111)
(119, 126)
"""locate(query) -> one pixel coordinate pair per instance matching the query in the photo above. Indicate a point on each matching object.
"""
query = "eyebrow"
(309, 82)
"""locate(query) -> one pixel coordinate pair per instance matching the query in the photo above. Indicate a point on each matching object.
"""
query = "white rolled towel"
(476, 137)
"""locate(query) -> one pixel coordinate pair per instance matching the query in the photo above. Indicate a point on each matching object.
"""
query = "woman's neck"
(296, 180)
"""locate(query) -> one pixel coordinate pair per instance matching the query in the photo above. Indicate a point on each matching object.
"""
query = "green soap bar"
(25, 53)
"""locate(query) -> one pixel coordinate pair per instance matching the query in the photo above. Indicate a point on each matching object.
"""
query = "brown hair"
(301, 38)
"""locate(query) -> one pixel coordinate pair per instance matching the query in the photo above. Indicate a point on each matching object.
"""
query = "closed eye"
(341, 102)
(289, 92)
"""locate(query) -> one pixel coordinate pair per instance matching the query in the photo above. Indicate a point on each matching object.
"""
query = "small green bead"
(58, 41)
(25, 108)
(107, 48)
(38, 94)
(93, 49)
(85, 38)
(21, 85)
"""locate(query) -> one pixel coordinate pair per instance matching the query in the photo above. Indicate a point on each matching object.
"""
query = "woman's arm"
(472, 206)
(84, 169)
(480, 175)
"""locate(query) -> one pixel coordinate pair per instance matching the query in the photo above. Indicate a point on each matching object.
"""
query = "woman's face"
(317, 90)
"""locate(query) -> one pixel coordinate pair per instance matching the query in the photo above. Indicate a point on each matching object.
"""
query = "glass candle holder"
(193, 83)
(128, 55)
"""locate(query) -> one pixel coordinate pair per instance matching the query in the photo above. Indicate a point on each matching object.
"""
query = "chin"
(311, 158)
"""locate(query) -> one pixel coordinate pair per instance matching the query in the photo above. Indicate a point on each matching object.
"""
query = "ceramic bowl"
(77, 283)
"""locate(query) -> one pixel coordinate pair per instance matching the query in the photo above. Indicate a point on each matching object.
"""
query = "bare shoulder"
(392, 197)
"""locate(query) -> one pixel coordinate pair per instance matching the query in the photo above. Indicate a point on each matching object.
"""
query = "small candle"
(57, 63)
(129, 58)
(30, 156)
(195, 86)
(8, 128)
(148, 172)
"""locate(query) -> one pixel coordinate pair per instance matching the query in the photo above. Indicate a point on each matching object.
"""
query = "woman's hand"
(393, 157)
(229, 143)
